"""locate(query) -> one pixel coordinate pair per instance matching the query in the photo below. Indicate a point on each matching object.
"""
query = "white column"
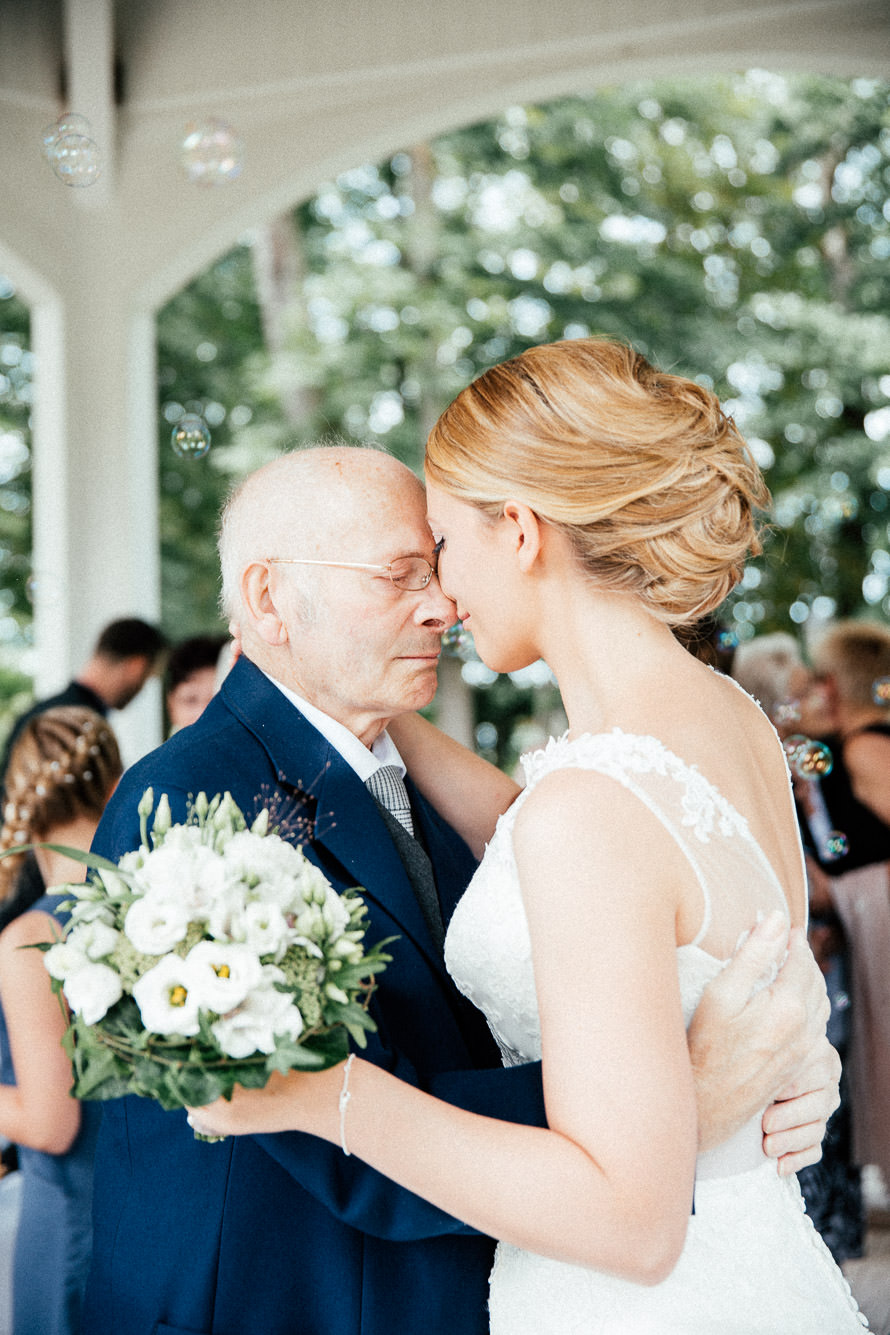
(96, 550)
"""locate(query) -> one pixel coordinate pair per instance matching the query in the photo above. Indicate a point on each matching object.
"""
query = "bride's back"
(718, 730)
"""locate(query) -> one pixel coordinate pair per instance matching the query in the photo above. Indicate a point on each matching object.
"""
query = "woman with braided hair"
(61, 773)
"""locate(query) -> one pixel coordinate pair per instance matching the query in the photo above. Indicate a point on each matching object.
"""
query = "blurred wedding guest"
(846, 822)
(61, 772)
(772, 670)
(765, 667)
(191, 679)
(125, 655)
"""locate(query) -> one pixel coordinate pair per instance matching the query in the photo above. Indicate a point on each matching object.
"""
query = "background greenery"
(734, 228)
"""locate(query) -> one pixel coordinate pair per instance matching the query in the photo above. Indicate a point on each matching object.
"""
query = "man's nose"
(435, 607)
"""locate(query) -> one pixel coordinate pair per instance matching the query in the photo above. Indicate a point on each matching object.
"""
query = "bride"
(583, 504)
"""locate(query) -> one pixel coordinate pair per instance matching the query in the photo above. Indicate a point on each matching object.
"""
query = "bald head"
(321, 502)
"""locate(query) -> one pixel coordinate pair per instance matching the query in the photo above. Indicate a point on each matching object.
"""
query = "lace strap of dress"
(735, 879)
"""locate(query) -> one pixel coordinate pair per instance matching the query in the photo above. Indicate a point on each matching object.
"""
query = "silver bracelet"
(345, 1096)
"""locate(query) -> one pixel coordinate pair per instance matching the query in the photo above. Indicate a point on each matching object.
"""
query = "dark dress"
(832, 1188)
(53, 1243)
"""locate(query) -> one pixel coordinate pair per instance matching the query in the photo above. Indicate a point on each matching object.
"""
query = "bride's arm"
(468, 791)
(610, 1183)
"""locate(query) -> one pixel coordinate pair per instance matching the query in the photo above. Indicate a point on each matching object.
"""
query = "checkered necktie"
(388, 786)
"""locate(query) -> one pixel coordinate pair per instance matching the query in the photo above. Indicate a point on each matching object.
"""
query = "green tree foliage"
(734, 228)
(15, 471)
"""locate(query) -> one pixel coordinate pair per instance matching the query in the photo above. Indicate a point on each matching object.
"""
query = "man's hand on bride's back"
(754, 1047)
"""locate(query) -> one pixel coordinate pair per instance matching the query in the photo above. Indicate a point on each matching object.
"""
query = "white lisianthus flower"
(63, 959)
(222, 975)
(183, 871)
(96, 939)
(92, 990)
(154, 927)
(254, 1025)
(225, 910)
(166, 1000)
(262, 927)
(270, 865)
(132, 861)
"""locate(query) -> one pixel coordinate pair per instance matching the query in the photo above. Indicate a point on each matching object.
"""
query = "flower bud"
(163, 819)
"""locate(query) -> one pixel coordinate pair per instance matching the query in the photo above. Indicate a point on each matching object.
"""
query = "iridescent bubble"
(456, 641)
(75, 160)
(836, 846)
(43, 589)
(191, 437)
(486, 735)
(880, 691)
(813, 760)
(211, 153)
(786, 711)
(792, 743)
(70, 123)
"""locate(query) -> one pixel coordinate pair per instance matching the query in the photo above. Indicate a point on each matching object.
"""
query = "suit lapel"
(347, 823)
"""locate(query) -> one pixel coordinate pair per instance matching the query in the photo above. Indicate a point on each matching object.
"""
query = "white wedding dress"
(752, 1264)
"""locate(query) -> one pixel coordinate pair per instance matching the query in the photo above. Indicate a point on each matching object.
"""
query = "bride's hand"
(298, 1101)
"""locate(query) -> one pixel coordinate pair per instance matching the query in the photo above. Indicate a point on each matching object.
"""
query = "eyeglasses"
(410, 573)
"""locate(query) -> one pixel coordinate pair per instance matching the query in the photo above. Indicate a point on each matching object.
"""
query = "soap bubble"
(786, 711)
(880, 691)
(792, 744)
(486, 735)
(44, 589)
(70, 123)
(211, 153)
(190, 438)
(457, 642)
(813, 760)
(836, 846)
(75, 160)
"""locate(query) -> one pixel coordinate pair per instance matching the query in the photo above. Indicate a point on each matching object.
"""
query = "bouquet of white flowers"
(212, 955)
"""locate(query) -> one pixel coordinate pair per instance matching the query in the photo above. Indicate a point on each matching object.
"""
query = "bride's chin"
(504, 658)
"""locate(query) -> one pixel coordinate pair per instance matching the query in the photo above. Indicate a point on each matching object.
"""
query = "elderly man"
(329, 572)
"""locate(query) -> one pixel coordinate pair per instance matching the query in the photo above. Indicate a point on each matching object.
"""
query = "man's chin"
(422, 691)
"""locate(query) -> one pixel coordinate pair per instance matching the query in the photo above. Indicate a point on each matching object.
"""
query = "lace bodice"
(488, 950)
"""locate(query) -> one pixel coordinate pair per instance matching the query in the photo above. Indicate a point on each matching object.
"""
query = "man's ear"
(260, 605)
(525, 531)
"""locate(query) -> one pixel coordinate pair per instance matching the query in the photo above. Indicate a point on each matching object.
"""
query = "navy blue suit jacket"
(283, 1234)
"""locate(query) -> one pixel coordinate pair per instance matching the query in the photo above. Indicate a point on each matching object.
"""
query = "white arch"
(312, 90)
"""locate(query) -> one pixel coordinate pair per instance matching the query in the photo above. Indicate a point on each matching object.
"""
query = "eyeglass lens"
(411, 572)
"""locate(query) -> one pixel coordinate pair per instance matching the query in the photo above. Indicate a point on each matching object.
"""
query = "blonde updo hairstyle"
(64, 764)
(642, 470)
